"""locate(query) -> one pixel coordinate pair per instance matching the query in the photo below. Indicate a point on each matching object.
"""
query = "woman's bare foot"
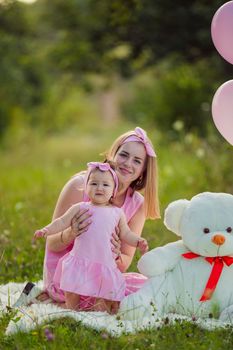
(43, 296)
(114, 307)
(106, 305)
(101, 305)
(61, 305)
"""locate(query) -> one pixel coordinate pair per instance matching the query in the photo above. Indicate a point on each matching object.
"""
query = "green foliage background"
(52, 52)
(73, 76)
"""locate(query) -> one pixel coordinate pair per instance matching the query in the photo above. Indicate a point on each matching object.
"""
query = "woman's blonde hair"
(148, 181)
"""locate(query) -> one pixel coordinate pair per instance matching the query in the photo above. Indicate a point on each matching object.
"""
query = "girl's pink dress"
(133, 281)
(90, 269)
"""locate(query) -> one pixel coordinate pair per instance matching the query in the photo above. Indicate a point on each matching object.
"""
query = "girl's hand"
(80, 222)
(142, 245)
(116, 243)
(41, 233)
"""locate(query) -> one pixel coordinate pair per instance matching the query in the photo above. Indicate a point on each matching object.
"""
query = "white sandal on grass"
(28, 295)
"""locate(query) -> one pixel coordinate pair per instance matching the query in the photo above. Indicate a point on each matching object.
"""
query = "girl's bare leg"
(72, 301)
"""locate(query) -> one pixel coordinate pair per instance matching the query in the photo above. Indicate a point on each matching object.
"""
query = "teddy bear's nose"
(218, 239)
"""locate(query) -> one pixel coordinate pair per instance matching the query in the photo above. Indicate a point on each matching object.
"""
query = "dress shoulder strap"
(133, 201)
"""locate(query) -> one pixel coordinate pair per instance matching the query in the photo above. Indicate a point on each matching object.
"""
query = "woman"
(135, 161)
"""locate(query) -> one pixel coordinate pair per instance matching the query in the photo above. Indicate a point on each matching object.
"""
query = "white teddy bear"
(192, 276)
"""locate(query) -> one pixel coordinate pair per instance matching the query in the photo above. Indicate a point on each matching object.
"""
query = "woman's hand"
(116, 243)
(80, 222)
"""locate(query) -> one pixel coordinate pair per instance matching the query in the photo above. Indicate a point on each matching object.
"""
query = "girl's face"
(100, 187)
(130, 161)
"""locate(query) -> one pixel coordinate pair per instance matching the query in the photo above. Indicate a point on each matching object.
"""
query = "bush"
(173, 92)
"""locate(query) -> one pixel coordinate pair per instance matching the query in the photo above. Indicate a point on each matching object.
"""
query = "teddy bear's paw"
(129, 308)
(227, 314)
(136, 307)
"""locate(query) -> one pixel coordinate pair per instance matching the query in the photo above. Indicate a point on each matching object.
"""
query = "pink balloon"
(222, 31)
(222, 110)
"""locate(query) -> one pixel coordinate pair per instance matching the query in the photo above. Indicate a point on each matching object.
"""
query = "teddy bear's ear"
(173, 215)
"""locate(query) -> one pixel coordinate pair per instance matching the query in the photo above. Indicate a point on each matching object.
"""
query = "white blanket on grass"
(29, 317)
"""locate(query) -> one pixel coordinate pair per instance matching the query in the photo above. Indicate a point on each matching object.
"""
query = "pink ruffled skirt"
(87, 278)
(132, 282)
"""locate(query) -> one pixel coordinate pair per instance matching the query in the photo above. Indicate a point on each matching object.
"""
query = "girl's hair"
(148, 181)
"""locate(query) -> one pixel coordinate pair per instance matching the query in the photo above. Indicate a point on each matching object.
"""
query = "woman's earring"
(139, 180)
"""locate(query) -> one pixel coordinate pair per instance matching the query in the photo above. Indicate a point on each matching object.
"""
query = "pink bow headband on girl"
(141, 136)
(103, 167)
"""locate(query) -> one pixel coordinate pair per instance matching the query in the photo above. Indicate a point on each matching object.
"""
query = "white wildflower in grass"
(19, 206)
(200, 153)
(178, 125)
(189, 138)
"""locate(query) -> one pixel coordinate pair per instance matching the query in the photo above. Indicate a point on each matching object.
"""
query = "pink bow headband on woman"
(141, 136)
(103, 167)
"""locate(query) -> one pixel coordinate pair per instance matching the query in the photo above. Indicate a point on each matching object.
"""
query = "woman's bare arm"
(70, 195)
(125, 234)
(127, 252)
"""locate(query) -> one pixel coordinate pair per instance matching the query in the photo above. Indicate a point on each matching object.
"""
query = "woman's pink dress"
(133, 281)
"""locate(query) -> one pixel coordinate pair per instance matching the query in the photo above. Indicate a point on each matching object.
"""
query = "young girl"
(89, 268)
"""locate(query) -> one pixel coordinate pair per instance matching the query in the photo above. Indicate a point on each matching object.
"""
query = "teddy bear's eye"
(229, 229)
(206, 230)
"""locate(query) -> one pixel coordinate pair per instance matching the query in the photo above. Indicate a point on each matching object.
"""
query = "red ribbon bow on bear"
(215, 273)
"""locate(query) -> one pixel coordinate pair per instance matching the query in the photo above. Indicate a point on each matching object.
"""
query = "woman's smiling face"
(130, 161)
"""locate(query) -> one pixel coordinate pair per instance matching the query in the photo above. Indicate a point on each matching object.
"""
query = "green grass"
(34, 167)
(72, 335)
